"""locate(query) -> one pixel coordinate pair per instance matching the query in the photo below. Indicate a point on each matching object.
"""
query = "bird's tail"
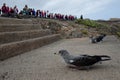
(105, 58)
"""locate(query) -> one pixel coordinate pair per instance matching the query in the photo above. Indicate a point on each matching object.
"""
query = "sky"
(92, 9)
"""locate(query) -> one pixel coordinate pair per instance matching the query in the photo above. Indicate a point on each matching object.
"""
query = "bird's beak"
(56, 53)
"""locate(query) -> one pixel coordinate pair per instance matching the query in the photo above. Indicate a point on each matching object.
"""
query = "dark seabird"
(97, 38)
(82, 60)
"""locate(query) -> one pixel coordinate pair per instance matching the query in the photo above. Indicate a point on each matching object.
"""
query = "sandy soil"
(42, 64)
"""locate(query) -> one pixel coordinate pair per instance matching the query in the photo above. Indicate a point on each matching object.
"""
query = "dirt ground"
(42, 64)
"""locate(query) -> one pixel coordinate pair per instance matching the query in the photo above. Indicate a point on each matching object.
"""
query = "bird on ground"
(97, 38)
(82, 60)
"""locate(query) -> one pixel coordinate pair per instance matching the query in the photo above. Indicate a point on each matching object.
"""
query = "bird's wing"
(81, 60)
(84, 55)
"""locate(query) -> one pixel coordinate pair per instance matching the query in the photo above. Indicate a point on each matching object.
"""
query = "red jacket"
(4, 9)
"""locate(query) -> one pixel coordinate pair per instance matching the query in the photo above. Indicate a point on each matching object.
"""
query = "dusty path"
(42, 64)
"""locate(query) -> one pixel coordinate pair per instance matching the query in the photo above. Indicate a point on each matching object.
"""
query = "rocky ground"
(42, 64)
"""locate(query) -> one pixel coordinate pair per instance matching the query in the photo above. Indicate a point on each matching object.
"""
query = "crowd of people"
(8, 11)
(26, 11)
